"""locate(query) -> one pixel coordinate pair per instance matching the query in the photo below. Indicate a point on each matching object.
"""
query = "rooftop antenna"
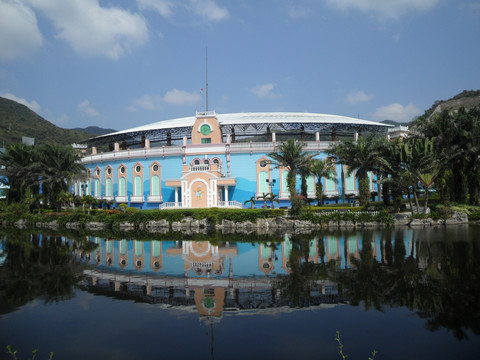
(206, 79)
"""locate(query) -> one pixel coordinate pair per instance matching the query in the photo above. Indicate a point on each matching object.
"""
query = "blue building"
(214, 160)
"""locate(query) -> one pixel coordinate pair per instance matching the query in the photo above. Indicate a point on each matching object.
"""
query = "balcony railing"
(199, 168)
(121, 199)
(170, 205)
(154, 198)
(176, 205)
(234, 204)
(178, 150)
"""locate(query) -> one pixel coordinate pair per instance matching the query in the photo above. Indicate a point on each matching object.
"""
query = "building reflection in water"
(219, 279)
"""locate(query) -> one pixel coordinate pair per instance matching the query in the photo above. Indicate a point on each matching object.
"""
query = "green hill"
(95, 130)
(17, 120)
(466, 99)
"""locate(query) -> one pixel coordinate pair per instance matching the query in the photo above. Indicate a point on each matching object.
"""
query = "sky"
(124, 63)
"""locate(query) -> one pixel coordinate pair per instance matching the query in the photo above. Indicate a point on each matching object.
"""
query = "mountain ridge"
(17, 121)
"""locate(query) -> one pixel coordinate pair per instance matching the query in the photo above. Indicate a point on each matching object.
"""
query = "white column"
(317, 136)
(176, 194)
(226, 193)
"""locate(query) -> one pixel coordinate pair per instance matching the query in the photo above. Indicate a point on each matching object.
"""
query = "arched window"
(121, 186)
(97, 187)
(138, 185)
(284, 181)
(155, 185)
(310, 184)
(370, 181)
(350, 183)
(262, 182)
(108, 187)
(329, 185)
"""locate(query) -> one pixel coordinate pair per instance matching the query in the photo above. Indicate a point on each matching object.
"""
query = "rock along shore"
(262, 226)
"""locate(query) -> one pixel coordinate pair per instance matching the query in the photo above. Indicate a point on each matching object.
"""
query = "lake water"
(406, 293)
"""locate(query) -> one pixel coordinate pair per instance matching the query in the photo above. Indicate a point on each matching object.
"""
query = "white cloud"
(297, 12)
(93, 30)
(32, 105)
(180, 97)
(19, 33)
(397, 112)
(163, 7)
(172, 97)
(205, 9)
(85, 107)
(264, 90)
(383, 9)
(356, 97)
(61, 120)
(149, 102)
(208, 10)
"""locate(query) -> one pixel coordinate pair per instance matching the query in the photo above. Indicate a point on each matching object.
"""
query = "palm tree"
(304, 170)
(64, 197)
(272, 198)
(290, 156)
(322, 169)
(361, 156)
(457, 146)
(263, 197)
(18, 168)
(427, 181)
(404, 161)
(89, 200)
(251, 201)
(59, 166)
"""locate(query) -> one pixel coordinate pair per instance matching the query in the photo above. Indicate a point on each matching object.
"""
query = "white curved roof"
(256, 118)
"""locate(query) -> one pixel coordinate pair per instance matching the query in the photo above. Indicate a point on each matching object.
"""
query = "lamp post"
(84, 189)
(271, 184)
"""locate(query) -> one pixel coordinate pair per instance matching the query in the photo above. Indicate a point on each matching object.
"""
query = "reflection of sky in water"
(103, 321)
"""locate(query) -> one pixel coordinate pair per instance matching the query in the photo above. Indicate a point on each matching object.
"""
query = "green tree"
(292, 157)
(264, 198)
(59, 165)
(272, 198)
(18, 171)
(427, 181)
(251, 201)
(65, 197)
(361, 156)
(322, 169)
(404, 162)
(89, 201)
(46, 169)
(457, 146)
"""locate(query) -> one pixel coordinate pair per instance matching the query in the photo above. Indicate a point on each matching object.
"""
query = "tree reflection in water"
(40, 266)
(438, 280)
(302, 284)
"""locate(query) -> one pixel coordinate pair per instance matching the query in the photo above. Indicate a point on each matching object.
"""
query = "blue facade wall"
(242, 168)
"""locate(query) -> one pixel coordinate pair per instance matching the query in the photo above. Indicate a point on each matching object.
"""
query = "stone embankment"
(262, 226)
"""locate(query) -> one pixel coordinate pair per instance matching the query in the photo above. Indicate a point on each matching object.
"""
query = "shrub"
(131, 210)
(297, 203)
(384, 217)
(474, 215)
